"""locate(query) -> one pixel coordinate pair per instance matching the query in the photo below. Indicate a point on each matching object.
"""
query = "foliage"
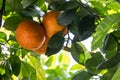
(99, 19)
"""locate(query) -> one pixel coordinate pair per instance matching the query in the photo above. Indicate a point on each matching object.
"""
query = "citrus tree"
(43, 39)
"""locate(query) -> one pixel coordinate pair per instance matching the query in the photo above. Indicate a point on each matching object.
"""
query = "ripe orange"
(43, 49)
(30, 35)
(50, 23)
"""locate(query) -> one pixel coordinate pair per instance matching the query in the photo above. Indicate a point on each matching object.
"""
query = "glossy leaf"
(86, 26)
(15, 64)
(66, 17)
(107, 49)
(92, 63)
(65, 5)
(78, 53)
(105, 27)
(82, 76)
(32, 11)
(110, 63)
(26, 3)
(87, 53)
(74, 26)
(109, 74)
(116, 35)
(12, 22)
(55, 44)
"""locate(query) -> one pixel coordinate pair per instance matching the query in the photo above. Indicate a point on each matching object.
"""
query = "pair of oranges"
(34, 36)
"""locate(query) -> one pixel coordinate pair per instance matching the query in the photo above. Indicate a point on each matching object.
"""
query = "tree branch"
(1, 11)
(86, 7)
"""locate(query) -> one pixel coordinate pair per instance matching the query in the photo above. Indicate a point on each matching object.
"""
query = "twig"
(1, 11)
(86, 7)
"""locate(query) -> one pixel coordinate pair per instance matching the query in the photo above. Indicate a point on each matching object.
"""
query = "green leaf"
(116, 76)
(63, 60)
(99, 8)
(106, 26)
(15, 4)
(57, 74)
(22, 52)
(32, 11)
(3, 36)
(114, 6)
(27, 71)
(13, 44)
(116, 35)
(110, 73)
(0, 3)
(2, 69)
(12, 22)
(74, 26)
(107, 49)
(36, 65)
(110, 63)
(40, 2)
(92, 63)
(82, 76)
(86, 26)
(66, 5)
(78, 53)
(51, 62)
(66, 17)
(55, 44)
(77, 67)
(87, 54)
(26, 3)
(15, 64)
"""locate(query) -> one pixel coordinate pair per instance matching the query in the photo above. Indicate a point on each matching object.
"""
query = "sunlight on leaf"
(51, 62)
(36, 65)
(116, 75)
(106, 26)
(27, 71)
(64, 58)
(114, 6)
(77, 67)
(87, 54)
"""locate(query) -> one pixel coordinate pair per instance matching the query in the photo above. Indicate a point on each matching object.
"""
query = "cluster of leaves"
(97, 19)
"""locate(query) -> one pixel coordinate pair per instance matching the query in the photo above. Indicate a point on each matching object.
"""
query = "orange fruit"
(43, 49)
(30, 35)
(50, 23)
